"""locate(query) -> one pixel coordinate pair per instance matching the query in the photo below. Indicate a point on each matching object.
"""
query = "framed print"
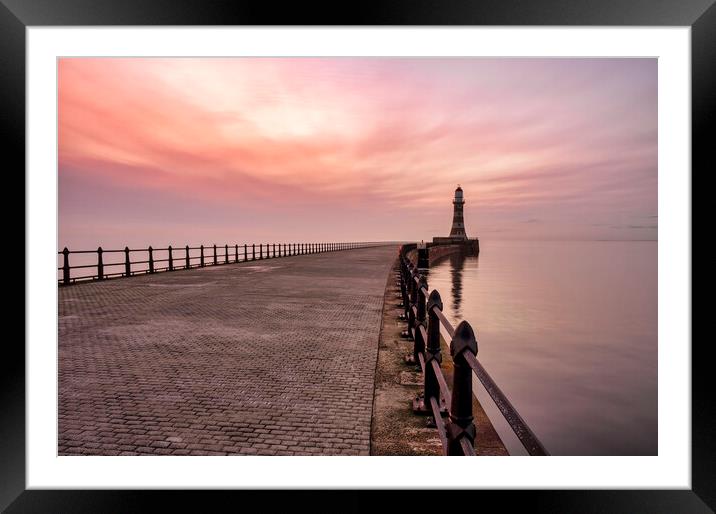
(319, 249)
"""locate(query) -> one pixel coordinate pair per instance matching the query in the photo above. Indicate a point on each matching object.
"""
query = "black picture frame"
(16, 15)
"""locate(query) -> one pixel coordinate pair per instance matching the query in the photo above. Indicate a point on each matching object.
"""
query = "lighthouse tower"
(458, 222)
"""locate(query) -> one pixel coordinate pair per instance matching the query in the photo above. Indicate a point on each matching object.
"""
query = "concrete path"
(272, 357)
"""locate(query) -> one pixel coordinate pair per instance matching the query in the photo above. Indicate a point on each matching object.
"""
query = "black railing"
(154, 260)
(423, 312)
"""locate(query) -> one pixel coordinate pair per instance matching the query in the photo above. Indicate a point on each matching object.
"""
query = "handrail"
(522, 431)
(181, 257)
(444, 389)
(423, 309)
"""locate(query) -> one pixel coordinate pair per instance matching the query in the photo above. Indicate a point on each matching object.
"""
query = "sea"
(568, 331)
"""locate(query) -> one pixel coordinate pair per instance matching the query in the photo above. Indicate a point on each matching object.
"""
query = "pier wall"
(438, 251)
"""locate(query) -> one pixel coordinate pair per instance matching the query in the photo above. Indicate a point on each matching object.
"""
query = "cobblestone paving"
(272, 357)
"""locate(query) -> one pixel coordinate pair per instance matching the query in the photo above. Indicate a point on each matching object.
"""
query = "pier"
(270, 349)
(270, 357)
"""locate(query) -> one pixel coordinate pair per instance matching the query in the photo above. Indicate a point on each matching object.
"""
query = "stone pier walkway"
(273, 357)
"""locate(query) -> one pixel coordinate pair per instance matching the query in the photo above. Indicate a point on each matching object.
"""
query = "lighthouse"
(458, 237)
(458, 221)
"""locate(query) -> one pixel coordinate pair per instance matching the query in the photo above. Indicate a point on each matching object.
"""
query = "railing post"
(100, 264)
(431, 386)
(151, 259)
(460, 425)
(171, 260)
(188, 261)
(65, 266)
(413, 299)
(253, 251)
(408, 289)
(274, 250)
(226, 254)
(423, 257)
(215, 261)
(201, 256)
(404, 289)
(127, 263)
(419, 346)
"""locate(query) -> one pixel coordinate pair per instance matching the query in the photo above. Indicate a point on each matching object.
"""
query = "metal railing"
(154, 260)
(423, 312)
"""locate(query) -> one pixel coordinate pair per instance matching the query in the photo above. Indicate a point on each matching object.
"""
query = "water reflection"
(457, 266)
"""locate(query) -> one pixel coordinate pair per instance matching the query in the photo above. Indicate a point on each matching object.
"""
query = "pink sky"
(177, 151)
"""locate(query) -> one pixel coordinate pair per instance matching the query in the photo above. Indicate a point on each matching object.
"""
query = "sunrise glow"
(162, 151)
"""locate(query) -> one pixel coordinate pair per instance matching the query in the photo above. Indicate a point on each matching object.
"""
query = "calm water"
(568, 330)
